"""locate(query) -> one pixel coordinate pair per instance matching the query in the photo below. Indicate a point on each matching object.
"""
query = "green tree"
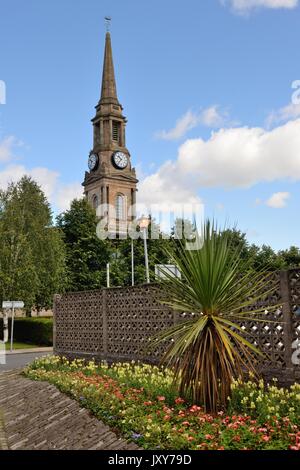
(290, 258)
(121, 274)
(86, 255)
(265, 256)
(32, 251)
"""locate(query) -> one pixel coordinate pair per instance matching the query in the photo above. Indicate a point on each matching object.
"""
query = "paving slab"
(35, 415)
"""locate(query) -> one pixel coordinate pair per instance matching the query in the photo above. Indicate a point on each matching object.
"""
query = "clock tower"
(110, 184)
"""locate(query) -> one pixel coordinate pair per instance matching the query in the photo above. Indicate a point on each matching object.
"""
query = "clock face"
(120, 160)
(93, 161)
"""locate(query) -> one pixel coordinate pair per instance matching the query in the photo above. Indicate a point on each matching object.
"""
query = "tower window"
(116, 131)
(120, 207)
(97, 136)
(95, 202)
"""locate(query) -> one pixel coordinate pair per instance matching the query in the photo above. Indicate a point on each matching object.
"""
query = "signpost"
(162, 271)
(10, 305)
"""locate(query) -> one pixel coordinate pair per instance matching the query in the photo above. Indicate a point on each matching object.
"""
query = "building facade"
(110, 185)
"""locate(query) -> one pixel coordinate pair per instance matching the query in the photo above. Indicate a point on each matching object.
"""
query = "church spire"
(109, 89)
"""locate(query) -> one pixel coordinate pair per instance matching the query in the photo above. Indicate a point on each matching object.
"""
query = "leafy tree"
(121, 274)
(86, 255)
(266, 257)
(291, 257)
(32, 250)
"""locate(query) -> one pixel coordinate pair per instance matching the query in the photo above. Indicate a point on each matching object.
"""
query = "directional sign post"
(11, 305)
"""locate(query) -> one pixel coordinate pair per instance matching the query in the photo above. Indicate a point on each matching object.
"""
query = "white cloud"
(7, 147)
(211, 117)
(230, 158)
(66, 193)
(245, 6)
(278, 200)
(58, 193)
(187, 122)
(167, 187)
(242, 157)
(291, 111)
(45, 178)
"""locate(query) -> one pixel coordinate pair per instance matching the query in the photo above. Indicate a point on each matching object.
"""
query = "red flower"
(179, 401)
(262, 430)
(161, 398)
(232, 426)
(195, 408)
(265, 438)
(167, 410)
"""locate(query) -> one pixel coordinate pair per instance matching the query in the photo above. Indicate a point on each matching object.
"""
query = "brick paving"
(36, 416)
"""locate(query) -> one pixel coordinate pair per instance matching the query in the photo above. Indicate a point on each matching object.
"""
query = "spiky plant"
(218, 287)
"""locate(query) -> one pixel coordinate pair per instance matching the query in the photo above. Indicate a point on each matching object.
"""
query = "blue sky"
(206, 86)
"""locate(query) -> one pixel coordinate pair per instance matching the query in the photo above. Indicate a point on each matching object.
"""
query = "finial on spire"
(108, 23)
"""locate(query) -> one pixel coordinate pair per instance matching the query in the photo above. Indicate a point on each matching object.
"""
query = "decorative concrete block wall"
(116, 325)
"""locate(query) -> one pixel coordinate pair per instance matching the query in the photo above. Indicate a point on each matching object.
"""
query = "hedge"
(29, 330)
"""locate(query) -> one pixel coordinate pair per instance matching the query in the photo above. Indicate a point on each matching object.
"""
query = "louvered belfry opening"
(116, 131)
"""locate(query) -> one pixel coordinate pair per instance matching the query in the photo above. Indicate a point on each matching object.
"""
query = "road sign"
(12, 304)
(163, 271)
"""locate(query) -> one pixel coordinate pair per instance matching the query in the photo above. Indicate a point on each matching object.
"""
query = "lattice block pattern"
(117, 323)
(134, 315)
(294, 282)
(79, 322)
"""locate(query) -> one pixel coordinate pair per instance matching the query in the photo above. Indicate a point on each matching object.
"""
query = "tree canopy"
(32, 264)
(86, 255)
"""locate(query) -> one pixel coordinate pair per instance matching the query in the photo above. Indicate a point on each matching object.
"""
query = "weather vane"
(108, 23)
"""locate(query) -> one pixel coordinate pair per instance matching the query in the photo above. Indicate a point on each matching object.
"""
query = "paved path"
(18, 361)
(36, 416)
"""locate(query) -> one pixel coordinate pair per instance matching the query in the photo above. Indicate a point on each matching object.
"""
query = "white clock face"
(120, 160)
(93, 161)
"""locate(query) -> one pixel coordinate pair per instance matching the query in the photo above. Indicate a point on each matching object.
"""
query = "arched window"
(95, 202)
(120, 207)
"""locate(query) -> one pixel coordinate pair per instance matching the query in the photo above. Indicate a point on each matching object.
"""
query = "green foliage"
(263, 257)
(121, 257)
(35, 330)
(290, 258)
(218, 286)
(31, 250)
(86, 255)
(265, 402)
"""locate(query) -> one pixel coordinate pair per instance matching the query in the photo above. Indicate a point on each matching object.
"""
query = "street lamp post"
(132, 263)
(144, 224)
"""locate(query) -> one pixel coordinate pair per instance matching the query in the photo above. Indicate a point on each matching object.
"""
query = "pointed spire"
(109, 89)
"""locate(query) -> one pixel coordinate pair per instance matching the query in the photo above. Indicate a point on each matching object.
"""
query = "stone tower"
(111, 180)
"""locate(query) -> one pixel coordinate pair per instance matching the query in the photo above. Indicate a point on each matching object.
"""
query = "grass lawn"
(21, 346)
(142, 403)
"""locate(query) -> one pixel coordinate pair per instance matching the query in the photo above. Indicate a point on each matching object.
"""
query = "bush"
(37, 331)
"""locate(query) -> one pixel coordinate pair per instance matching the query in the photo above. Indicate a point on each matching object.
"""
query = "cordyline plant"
(220, 289)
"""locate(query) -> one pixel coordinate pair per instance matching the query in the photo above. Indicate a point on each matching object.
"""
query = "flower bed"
(141, 402)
